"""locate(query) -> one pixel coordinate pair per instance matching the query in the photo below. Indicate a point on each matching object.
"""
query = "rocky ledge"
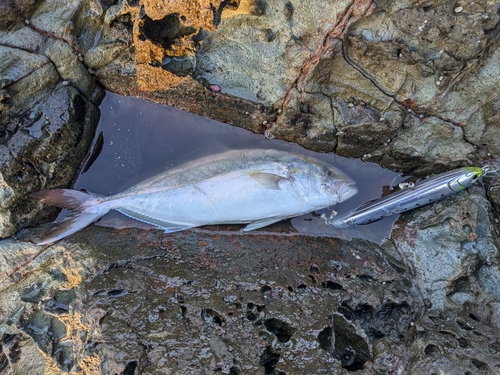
(412, 85)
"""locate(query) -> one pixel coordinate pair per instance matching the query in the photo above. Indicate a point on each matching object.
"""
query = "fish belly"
(234, 199)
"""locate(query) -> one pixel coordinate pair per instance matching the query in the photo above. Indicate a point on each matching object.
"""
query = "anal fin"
(168, 227)
(262, 223)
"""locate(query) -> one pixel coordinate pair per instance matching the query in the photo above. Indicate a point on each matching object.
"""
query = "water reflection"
(137, 139)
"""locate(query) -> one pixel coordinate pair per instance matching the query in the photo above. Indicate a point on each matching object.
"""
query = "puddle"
(137, 139)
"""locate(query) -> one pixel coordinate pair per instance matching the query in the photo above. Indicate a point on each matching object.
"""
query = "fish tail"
(85, 209)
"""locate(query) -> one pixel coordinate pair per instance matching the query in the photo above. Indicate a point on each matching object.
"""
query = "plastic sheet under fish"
(138, 139)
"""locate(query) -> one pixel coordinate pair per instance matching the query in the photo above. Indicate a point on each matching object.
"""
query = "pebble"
(214, 88)
(268, 135)
(458, 9)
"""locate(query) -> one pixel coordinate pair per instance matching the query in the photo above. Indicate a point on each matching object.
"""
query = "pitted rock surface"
(413, 85)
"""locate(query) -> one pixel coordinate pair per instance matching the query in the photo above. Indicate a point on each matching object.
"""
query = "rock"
(484, 128)
(428, 146)
(295, 303)
(51, 140)
(47, 115)
(400, 45)
(489, 279)
(412, 85)
(308, 119)
(433, 61)
(26, 78)
(493, 192)
(69, 67)
(445, 245)
(195, 302)
(448, 343)
(317, 88)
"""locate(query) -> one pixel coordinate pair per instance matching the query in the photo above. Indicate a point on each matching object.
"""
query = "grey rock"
(489, 279)
(55, 16)
(411, 85)
(17, 64)
(46, 119)
(280, 43)
(426, 146)
(45, 149)
(406, 49)
(444, 245)
(283, 57)
(24, 38)
(182, 66)
(195, 302)
(69, 67)
(437, 334)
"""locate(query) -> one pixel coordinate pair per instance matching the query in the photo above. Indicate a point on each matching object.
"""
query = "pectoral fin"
(268, 180)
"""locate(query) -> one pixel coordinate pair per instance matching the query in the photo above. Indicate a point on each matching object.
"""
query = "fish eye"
(329, 172)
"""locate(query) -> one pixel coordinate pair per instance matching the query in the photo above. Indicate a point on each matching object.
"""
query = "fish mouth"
(346, 190)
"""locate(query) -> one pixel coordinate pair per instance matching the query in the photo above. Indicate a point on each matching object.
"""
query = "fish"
(254, 187)
(424, 192)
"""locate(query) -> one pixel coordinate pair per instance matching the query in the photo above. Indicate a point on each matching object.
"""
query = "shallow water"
(137, 139)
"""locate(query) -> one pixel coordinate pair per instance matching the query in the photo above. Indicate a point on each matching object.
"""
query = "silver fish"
(254, 187)
(424, 192)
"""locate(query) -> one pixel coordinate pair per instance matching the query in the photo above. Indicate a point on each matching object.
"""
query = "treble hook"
(490, 169)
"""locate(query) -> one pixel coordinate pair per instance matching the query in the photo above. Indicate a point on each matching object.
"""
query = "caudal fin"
(86, 209)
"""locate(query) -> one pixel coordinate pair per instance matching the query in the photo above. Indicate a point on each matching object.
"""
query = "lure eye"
(329, 172)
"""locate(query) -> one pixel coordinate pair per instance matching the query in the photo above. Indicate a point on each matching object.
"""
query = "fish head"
(319, 184)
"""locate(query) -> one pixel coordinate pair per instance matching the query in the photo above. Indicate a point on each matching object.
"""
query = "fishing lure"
(422, 193)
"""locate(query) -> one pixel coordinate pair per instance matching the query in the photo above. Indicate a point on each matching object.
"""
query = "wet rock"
(493, 192)
(197, 302)
(411, 85)
(446, 245)
(48, 104)
(309, 119)
(26, 77)
(69, 67)
(428, 146)
(489, 279)
(401, 45)
(43, 148)
(342, 82)
(345, 84)
(448, 343)
(484, 129)
(364, 117)
(432, 60)
(183, 65)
